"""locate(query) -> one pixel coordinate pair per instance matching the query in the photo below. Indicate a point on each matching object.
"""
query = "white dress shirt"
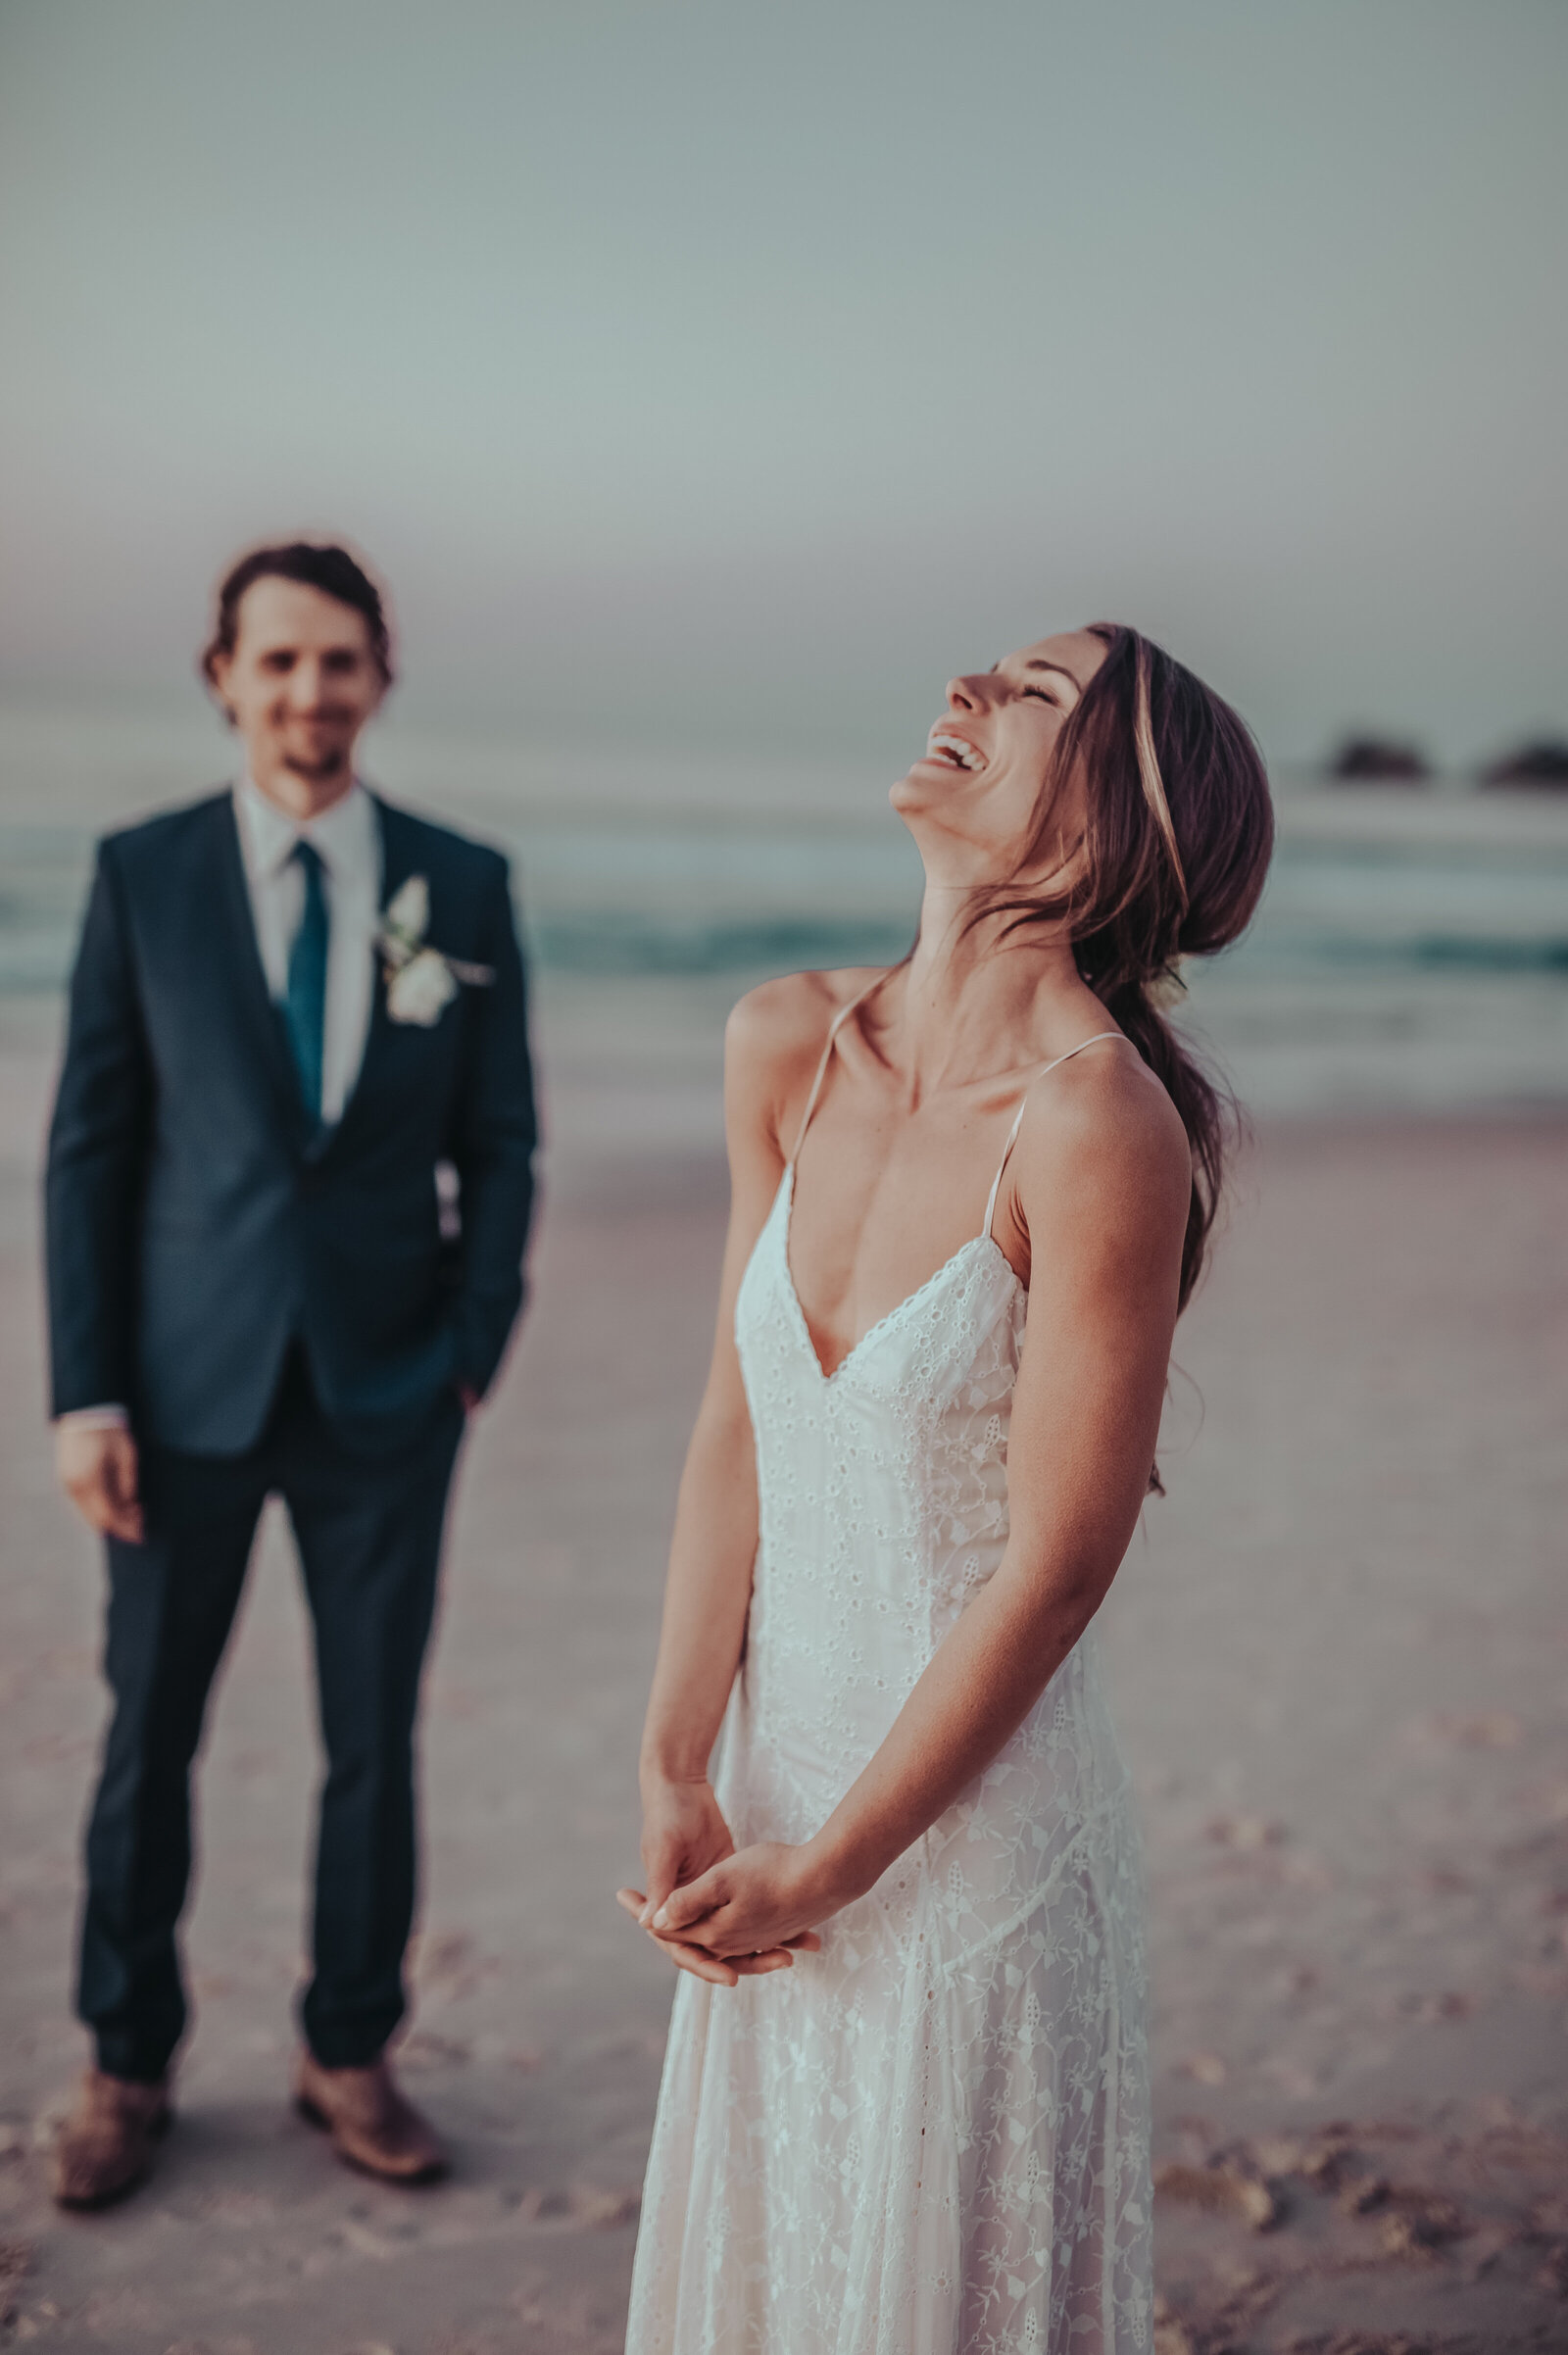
(349, 842)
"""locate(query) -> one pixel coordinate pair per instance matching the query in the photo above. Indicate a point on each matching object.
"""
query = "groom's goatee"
(316, 772)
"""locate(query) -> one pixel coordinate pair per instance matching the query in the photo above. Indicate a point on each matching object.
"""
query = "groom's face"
(299, 684)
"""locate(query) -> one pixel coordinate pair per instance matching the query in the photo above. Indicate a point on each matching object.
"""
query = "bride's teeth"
(964, 754)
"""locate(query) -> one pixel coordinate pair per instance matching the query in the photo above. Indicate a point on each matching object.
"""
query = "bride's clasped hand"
(720, 1912)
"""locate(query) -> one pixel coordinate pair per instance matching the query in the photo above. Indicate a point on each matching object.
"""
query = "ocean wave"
(617, 943)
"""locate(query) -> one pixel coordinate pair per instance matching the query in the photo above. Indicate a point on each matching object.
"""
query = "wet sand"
(1340, 1660)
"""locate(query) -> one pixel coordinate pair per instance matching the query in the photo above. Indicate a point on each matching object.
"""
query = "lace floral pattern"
(931, 2138)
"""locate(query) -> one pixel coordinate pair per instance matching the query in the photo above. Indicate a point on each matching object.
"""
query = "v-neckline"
(827, 1378)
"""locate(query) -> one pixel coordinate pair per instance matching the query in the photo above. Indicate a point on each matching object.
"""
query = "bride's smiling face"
(972, 800)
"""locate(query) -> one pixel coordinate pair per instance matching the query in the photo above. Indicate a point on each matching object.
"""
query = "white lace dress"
(932, 2137)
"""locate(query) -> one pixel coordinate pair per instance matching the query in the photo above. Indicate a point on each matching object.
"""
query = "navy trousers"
(368, 1532)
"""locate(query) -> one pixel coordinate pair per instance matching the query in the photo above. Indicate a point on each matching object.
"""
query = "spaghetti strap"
(1017, 1118)
(834, 1027)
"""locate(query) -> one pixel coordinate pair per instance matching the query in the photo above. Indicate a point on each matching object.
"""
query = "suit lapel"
(240, 957)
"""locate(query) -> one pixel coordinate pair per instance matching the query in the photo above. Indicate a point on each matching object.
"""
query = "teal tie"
(304, 1004)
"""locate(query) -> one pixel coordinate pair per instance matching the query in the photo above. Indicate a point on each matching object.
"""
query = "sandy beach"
(1340, 1661)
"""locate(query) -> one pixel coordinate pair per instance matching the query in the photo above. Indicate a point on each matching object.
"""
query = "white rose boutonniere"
(421, 982)
(420, 990)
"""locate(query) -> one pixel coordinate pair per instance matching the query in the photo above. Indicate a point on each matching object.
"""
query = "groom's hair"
(327, 568)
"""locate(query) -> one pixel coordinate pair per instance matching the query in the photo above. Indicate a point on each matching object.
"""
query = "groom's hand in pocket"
(98, 1469)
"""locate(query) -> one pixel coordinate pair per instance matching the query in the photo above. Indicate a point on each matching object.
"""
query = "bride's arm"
(707, 1590)
(1102, 1176)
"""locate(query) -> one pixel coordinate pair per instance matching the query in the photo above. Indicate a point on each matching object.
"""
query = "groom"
(293, 1004)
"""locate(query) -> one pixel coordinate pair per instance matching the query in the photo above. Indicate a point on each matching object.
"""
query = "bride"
(905, 1497)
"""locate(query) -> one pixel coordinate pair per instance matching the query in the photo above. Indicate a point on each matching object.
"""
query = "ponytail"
(1208, 1114)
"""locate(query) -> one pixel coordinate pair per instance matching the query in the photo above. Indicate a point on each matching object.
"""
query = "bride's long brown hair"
(1177, 835)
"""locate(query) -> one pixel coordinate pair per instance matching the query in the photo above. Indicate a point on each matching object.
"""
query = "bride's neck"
(977, 999)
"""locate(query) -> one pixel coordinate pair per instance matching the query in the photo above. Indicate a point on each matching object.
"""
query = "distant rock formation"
(1543, 760)
(1379, 761)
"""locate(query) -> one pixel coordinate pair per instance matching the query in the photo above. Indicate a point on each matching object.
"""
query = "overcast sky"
(715, 372)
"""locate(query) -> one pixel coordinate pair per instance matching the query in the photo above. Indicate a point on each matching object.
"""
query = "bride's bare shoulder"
(1103, 1147)
(775, 1035)
(779, 1021)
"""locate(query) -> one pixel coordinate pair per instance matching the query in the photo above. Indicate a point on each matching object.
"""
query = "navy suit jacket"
(199, 1221)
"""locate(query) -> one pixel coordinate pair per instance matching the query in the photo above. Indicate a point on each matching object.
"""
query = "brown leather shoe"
(107, 2142)
(370, 2123)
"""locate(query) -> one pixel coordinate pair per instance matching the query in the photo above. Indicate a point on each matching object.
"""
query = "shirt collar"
(344, 834)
